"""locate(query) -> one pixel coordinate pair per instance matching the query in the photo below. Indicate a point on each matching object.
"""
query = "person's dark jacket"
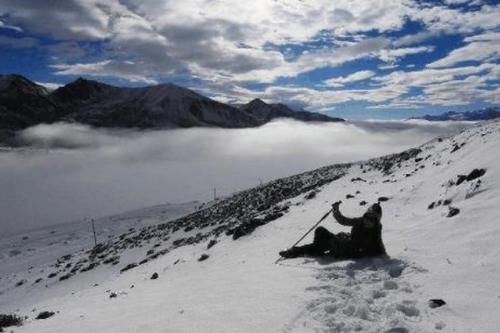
(366, 233)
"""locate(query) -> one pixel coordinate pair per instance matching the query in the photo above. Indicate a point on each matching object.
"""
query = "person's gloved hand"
(335, 206)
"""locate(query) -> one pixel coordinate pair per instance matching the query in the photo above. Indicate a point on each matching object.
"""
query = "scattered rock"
(203, 257)
(310, 195)
(113, 260)
(460, 179)
(154, 276)
(362, 203)
(13, 253)
(8, 320)
(45, 315)
(20, 283)
(91, 266)
(452, 211)
(349, 196)
(113, 295)
(431, 205)
(65, 276)
(436, 303)
(398, 330)
(382, 199)
(476, 173)
(358, 179)
(129, 266)
(211, 243)
(247, 228)
(98, 249)
(456, 147)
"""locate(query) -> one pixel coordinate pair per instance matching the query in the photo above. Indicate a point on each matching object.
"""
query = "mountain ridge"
(473, 115)
(267, 112)
(23, 103)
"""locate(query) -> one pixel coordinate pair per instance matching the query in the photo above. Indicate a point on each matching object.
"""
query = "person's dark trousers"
(323, 240)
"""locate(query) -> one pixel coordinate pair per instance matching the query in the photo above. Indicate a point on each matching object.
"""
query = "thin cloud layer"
(76, 171)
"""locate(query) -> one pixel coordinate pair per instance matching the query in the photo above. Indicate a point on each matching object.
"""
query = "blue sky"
(355, 59)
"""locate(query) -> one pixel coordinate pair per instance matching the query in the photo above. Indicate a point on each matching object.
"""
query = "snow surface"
(239, 288)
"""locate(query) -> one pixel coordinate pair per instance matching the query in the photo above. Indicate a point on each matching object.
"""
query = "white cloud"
(484, 47)
(125, 69)
(11, 27)
(62, 19)
(357, 76)
(229, 43)
(49, 85)
(318, 59)
(414, 38)
(444, 20)
(206, 37)
(395, 105)
(446, 86)
(107, 172)
(390, 55)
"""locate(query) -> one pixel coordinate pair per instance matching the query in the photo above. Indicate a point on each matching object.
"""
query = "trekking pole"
(307, 233)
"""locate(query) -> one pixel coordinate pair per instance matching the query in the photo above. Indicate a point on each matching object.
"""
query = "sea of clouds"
(74, 171)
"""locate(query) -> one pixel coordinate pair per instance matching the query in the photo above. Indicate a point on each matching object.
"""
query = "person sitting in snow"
(364, 240)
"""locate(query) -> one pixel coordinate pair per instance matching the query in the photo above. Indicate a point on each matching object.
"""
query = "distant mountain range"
(24, 103)
(475, 115)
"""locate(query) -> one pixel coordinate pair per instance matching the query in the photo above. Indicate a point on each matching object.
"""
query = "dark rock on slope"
(45, 315)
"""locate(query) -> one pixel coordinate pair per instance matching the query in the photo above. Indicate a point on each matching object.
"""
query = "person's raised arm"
(346, 221)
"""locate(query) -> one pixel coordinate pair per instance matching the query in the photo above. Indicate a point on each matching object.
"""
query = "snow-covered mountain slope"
(45, 245)
(216, 267)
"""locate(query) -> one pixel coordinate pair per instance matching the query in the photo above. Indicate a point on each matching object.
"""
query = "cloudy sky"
(377, 59)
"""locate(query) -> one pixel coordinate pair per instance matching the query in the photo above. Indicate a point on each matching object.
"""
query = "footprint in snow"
(369, 295)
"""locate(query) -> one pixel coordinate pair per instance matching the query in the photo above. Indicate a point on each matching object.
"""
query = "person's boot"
(292, 252)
